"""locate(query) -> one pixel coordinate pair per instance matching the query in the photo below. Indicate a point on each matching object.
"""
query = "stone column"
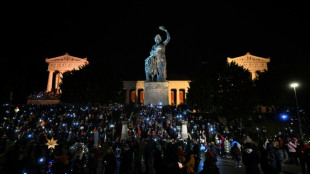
(124, 130)
(50, 81)
(185, 94)
(136, 96)
(57, 81)
(169, 96)
(177, 97)
(184, 133)
(127, 98)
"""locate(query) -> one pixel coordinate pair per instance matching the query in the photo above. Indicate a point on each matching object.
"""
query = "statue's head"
(157, 38)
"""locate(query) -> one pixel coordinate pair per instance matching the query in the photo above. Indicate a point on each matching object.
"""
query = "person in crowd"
(125, 160)
(265, 143)
(158, 159)
(139, 151)
(275, 143)
(109, 161)
(247, 140)
(305, 157)
(79, 161)
(222, 147)
(281, 148)
(213, 148)
(226, 148)
(250, 159)
(236, 155)
(271, 162)
(236, 142)
(190, 164)
(181, 154)
(94, 160)
(292, 146)
(61, 164)
(209, 166)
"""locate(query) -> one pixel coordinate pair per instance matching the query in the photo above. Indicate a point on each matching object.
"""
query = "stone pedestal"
(156, 93)
(124, 130)
(184, 133)
(96, 138)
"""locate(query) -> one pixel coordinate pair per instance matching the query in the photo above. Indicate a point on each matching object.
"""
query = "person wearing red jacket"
(305, 157)
(282, 148)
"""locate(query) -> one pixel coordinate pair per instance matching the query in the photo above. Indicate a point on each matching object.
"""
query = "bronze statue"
(155, 64)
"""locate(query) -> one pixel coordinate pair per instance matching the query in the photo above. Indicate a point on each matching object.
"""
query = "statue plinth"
(156, 93)
(184, 133)
(124, 130)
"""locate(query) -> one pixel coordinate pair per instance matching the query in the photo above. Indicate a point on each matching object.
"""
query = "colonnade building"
(58, 65)
(177, 91)
(251, 63)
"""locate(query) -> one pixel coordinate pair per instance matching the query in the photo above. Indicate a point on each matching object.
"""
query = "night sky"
(121, 34)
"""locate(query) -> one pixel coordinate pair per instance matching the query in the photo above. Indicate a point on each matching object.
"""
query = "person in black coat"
(79, 161)
(109, 161)
(270, 162)
(209, 166)
(250, 159)
(125, 160)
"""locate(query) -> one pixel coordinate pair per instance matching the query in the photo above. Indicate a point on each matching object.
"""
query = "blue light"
(41, 160)
(29, 136)
(160, 103)
(284, 117)
(202, 148)
(211, 129)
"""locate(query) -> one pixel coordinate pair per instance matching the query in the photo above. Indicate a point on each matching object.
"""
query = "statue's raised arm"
(167, 34)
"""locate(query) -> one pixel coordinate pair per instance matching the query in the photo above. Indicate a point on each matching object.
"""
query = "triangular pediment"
(249, 57)
(66, 58)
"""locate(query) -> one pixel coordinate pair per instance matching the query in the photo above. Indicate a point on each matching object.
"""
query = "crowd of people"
(88, 137)
(45, 95)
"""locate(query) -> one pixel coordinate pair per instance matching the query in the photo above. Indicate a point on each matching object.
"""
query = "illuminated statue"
(150, 68)
(155, 64)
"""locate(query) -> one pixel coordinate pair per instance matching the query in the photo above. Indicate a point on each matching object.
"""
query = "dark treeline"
(228, 89)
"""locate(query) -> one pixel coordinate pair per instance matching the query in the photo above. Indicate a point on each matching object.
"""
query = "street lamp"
(294, 85)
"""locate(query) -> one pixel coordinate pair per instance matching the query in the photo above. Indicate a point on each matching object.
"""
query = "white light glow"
(293, 85)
